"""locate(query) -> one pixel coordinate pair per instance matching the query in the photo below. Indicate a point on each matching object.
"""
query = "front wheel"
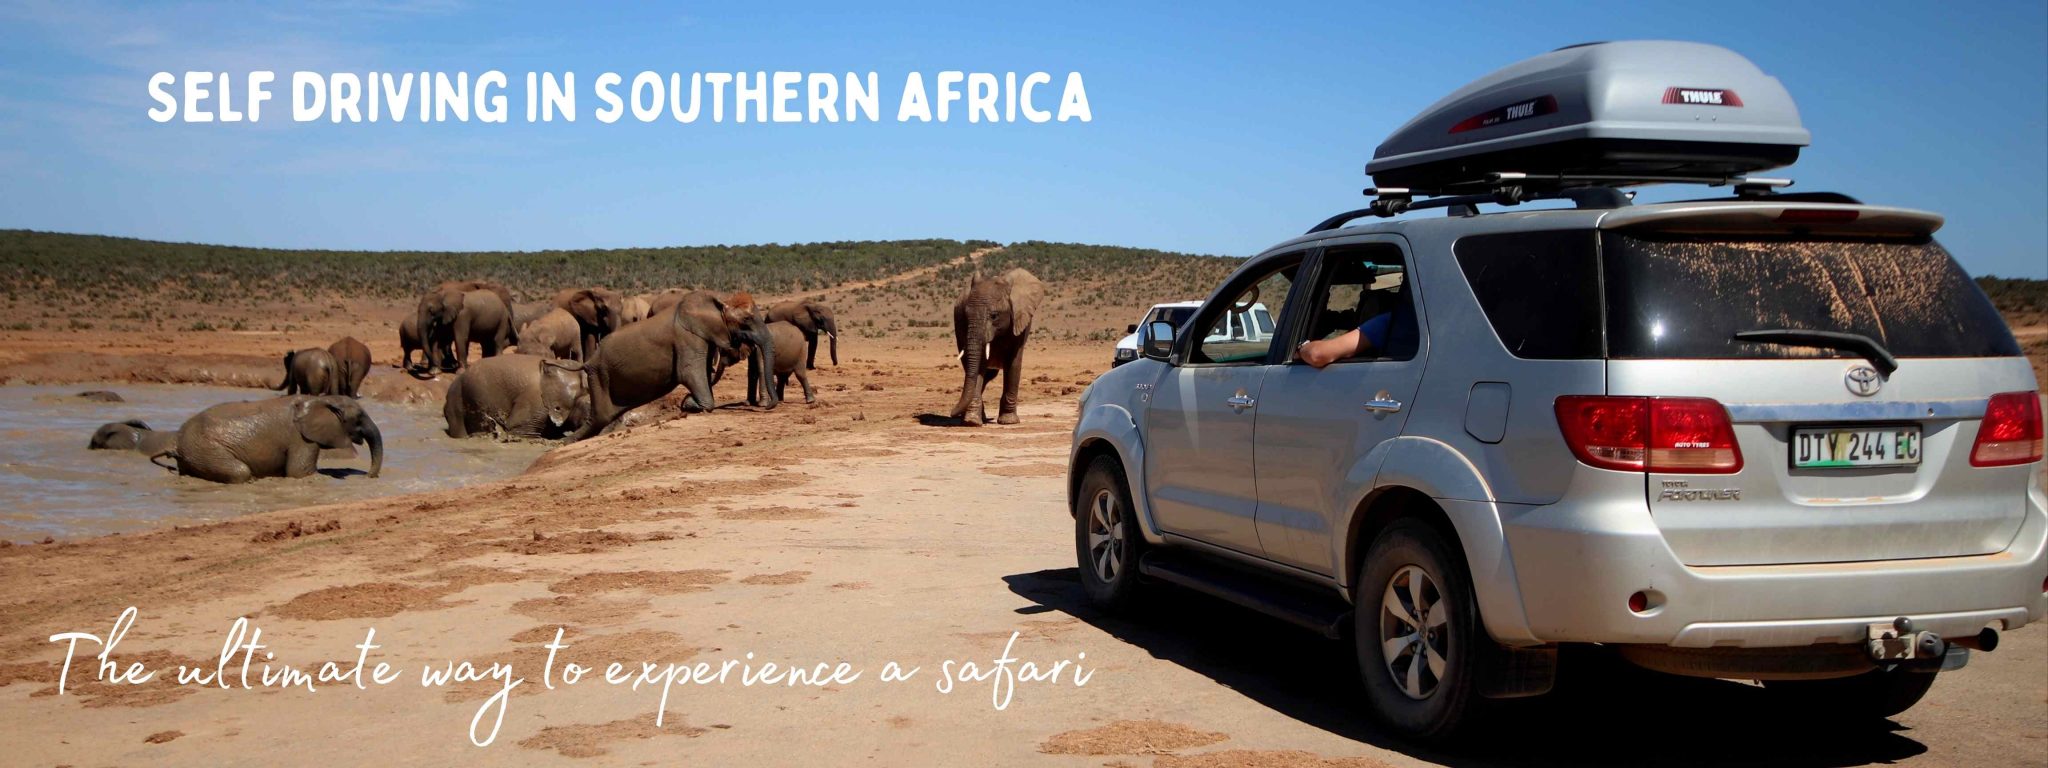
(1873, 695)
(1417, 628)
(1106, 538)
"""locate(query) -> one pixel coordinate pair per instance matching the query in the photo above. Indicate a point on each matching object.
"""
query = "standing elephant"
(455, 313)
(786, 356)
(409, 341)
(555, 334)
(811, 318)
(518, 395)
(310, 371)
(132, 435)
(598, 312)
(239, 442)
(637, 308)
(788, 343)
(647, 360)
(352, 359)
(991, 322)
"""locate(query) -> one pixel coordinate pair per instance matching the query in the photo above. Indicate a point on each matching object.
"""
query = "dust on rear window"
(1683, 297)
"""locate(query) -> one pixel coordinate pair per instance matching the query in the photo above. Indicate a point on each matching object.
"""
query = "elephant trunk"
(976, 347)
(832, 332)
(368, 434)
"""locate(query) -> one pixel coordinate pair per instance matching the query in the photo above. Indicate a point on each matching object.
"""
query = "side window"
(1540, 291)
(1239, 328)
(1366, 289)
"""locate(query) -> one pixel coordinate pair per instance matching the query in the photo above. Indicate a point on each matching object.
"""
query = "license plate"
(1836, 447)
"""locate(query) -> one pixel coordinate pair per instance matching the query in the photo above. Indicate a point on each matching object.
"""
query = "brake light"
(2011, 431)
(1688, 435)
(1818, 216)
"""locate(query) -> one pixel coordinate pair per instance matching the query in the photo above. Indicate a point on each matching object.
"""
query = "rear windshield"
(1686, 297)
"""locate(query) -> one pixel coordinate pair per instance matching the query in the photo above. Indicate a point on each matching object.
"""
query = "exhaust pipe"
(1986, 641)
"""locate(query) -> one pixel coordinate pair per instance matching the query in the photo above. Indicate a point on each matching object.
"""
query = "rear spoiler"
(1764, 217)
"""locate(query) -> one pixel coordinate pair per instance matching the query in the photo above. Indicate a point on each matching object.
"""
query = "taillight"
(1690, 435)
(2011, 431)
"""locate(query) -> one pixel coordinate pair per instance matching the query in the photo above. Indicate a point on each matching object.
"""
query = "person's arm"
(1327, 351)
(1354, 343)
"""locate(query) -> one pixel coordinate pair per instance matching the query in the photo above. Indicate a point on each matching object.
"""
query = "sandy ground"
(845, 531)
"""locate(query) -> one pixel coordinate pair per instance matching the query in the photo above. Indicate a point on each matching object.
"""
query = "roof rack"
(1586, 191)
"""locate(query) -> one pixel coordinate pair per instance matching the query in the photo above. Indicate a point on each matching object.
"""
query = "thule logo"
(1702, 97)
(1519, 111)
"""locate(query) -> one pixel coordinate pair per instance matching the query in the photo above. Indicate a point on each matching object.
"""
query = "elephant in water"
(991, 322)
(282, 437)
(352, 360)
(647, 360)
(132, 435)
(518, 395)
(311, 371)
(810, 318)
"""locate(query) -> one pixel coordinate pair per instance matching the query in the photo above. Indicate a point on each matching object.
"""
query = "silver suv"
(1778, 437)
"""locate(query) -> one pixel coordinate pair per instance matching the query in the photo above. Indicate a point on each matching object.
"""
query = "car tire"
(1430, 687)
(1875, 695)
(1107, 543)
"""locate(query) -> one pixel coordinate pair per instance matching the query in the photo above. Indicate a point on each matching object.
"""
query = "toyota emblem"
(1863, 380)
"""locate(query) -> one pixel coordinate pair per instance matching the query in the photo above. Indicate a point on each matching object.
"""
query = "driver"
(1389, 330)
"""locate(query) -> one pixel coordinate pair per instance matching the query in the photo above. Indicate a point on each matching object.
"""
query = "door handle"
(1383, 405)
(1241, 402)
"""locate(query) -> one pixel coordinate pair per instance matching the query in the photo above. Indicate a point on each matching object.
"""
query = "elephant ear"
(1026, 294)
(567, 365)
(579, 304)
(319, 422)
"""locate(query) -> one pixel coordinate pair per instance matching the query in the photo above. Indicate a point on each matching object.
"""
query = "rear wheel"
(1417, 631)
(1106, 538)
(1873, 695)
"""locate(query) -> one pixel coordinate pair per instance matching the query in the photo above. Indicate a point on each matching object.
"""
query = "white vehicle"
(1251, 324)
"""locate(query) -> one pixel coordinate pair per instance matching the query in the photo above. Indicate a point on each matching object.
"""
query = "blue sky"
(1217, 128)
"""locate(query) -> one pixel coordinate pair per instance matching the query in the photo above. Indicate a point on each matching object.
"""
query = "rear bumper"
(1578, 564)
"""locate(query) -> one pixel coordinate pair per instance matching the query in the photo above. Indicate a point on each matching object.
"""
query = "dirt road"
(849, 531)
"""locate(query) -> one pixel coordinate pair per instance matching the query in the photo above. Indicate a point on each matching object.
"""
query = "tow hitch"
(1898, 643)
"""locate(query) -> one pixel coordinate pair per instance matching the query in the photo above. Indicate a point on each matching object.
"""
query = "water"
(50, 484)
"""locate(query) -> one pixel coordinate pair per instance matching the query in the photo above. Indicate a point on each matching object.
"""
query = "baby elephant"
(132, 435)
(518, 395)
(282, 437)
(789, 361)
(311, 371)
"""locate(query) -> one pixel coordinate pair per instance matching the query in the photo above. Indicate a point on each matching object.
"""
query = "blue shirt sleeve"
(1375, 329)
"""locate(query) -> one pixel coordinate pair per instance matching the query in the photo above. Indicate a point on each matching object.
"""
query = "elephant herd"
(567, 369)
(571, 367)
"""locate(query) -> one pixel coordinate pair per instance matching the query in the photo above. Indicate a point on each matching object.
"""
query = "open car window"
(1238, 327)
(1362, 283)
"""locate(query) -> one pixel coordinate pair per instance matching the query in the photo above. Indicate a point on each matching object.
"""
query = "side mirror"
(1158, 341)
(1132, 328)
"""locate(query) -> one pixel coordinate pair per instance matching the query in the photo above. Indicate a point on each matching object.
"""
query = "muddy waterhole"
(51, 485)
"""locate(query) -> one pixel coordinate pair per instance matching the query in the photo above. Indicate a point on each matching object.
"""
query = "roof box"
(1636, 111)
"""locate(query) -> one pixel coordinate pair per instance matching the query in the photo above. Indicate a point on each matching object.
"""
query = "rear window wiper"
(1879, 357)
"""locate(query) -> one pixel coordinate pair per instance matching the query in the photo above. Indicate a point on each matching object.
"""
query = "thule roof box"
(1600, 114)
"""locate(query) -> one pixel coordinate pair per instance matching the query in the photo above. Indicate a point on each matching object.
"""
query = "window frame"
(1301, 259)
